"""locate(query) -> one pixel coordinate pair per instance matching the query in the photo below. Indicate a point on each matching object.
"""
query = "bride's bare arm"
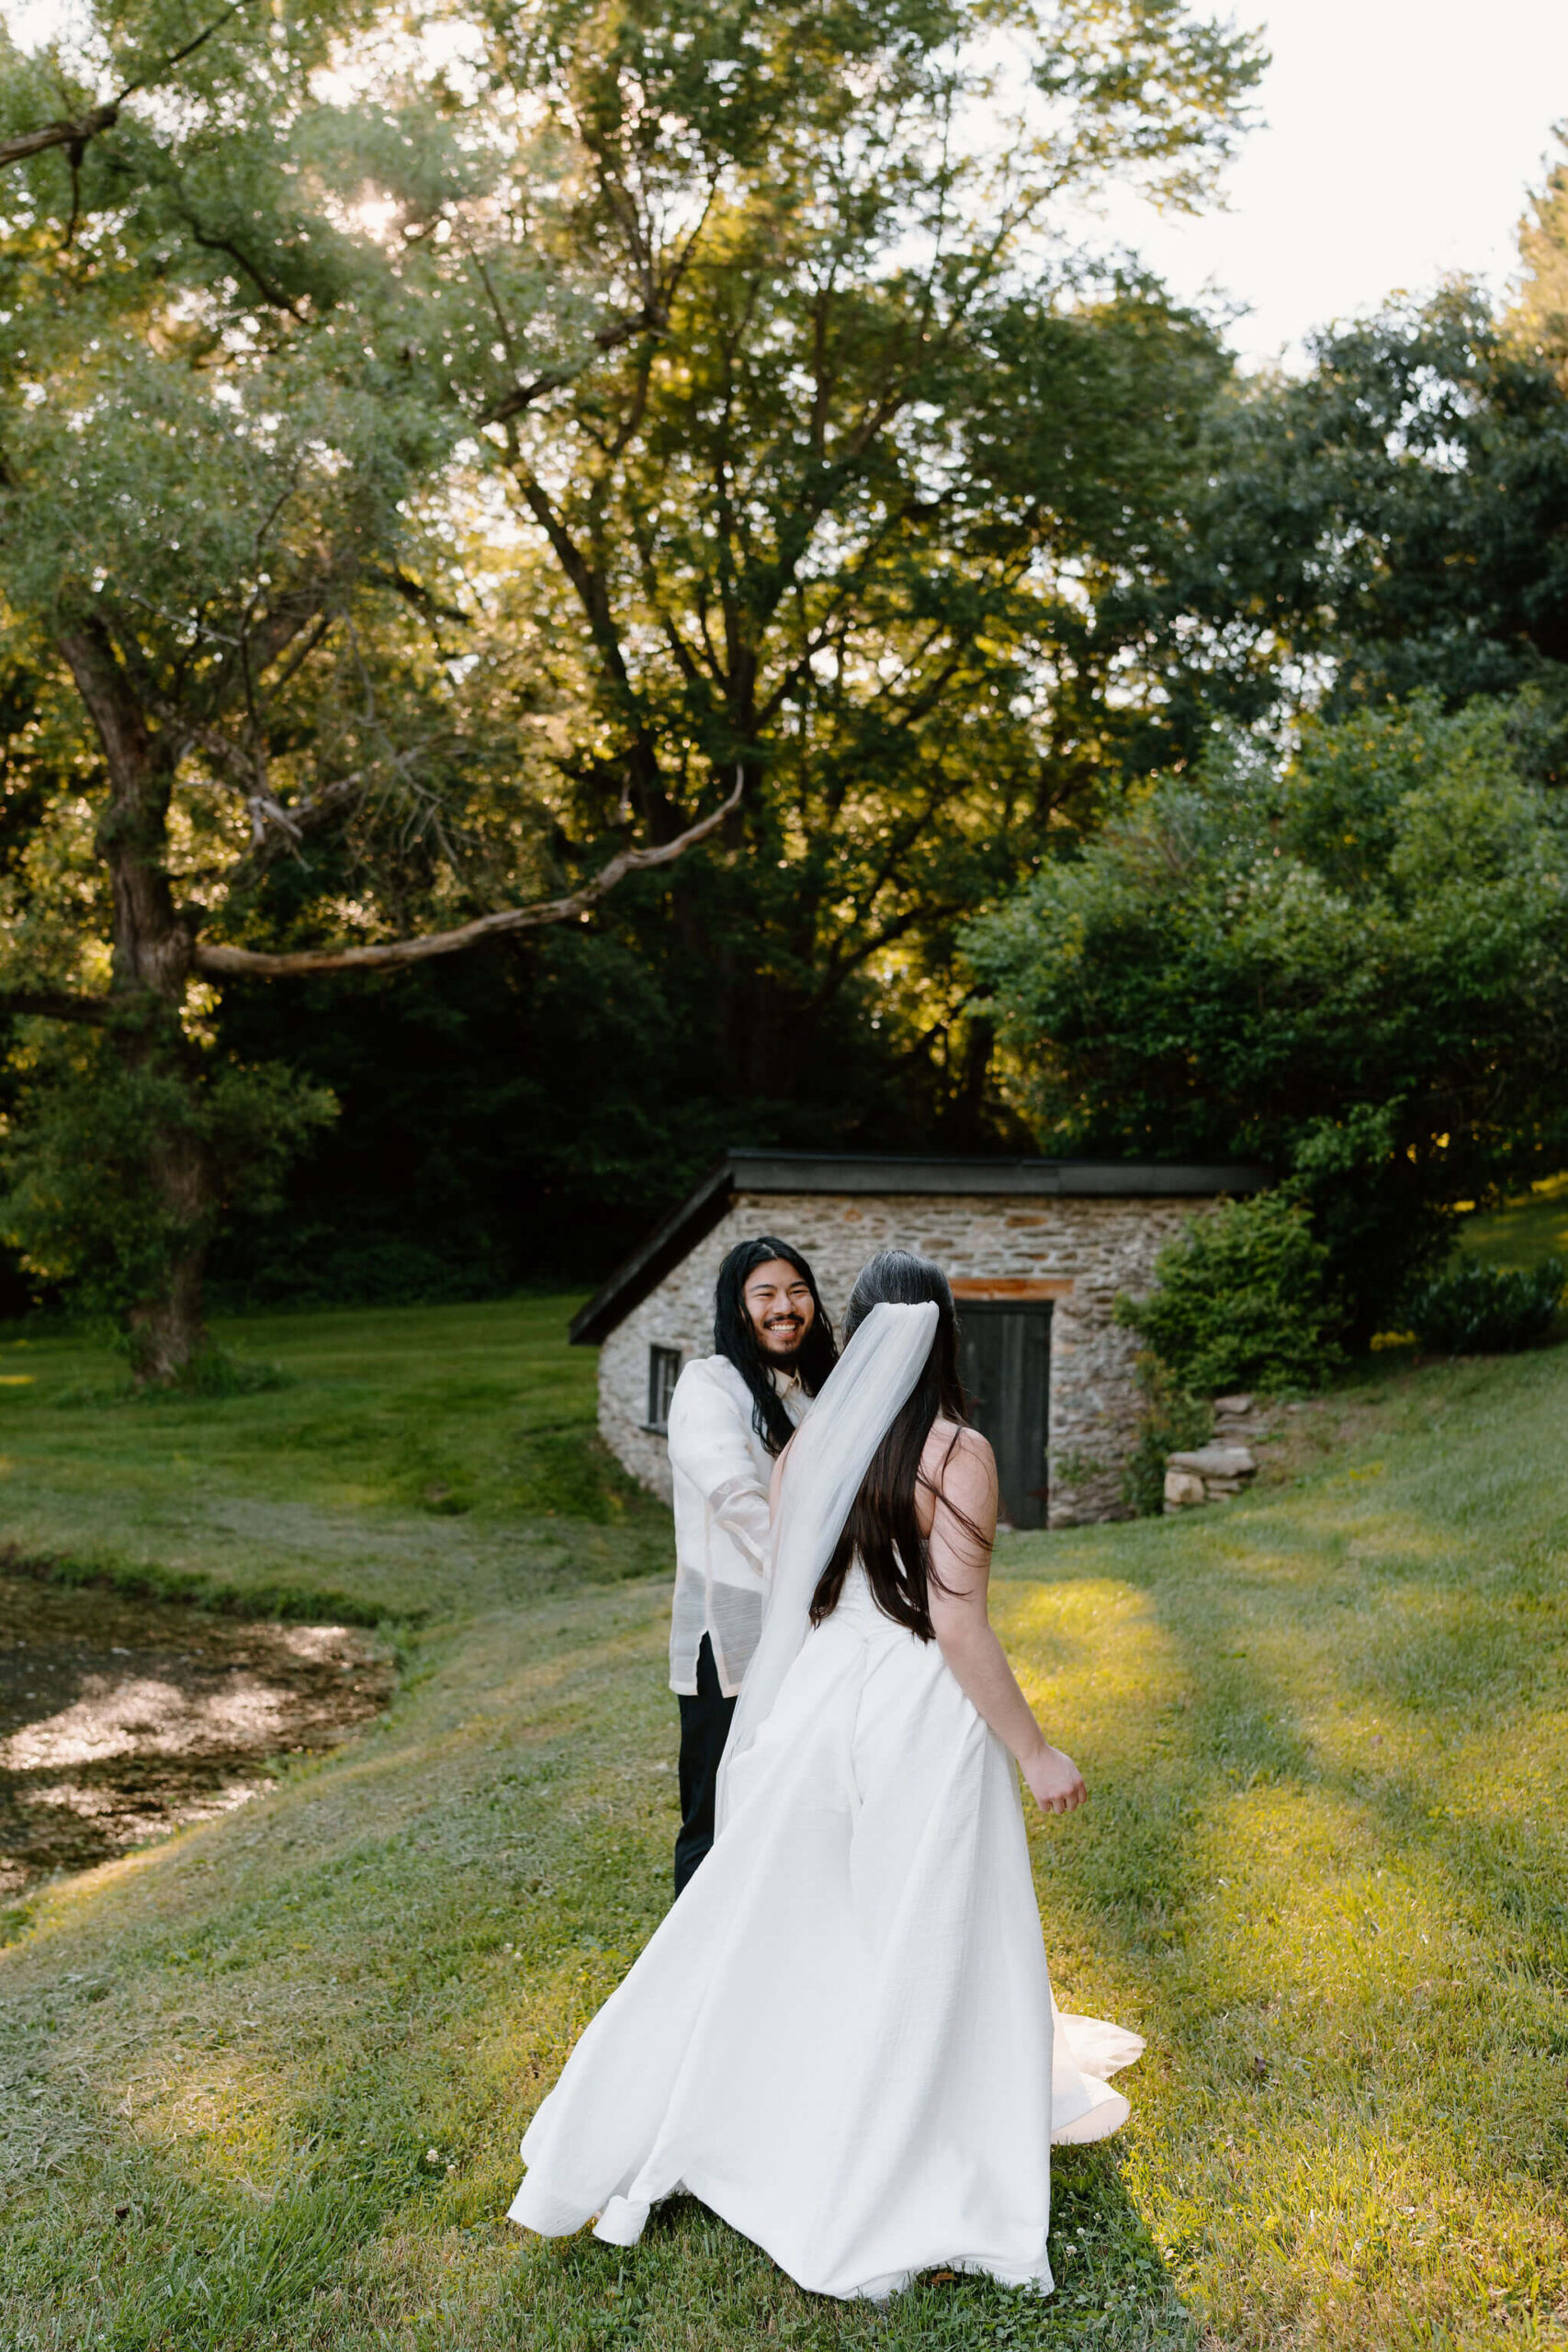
(965, 1491)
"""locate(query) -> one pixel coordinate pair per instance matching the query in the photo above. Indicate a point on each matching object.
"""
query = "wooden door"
(1004, 1361)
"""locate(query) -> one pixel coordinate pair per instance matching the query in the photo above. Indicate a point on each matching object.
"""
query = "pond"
(121, 1719)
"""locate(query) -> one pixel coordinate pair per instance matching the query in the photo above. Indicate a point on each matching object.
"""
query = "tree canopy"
(1356, 973)
(448, 457)
(1394, 521)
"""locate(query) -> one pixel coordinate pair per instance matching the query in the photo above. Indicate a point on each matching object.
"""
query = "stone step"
(1210, 1473)
(1216, 1462)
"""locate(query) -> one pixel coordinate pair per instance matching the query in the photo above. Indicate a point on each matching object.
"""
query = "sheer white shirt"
(720, 1471)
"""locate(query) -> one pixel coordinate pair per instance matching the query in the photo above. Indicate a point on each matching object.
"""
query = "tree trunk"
(168, 1329)
(155, 945)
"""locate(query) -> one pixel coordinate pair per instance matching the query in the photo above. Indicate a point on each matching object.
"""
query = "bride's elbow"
(959, 1634)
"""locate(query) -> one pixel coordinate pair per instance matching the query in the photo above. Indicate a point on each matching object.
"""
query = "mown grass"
(262, 2086)
(414, 1466)
(1523, 1231)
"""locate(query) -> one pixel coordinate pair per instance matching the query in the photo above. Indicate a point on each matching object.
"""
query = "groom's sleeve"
(709, 1444)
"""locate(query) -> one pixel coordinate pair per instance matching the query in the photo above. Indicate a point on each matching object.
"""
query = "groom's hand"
(1055, 1781)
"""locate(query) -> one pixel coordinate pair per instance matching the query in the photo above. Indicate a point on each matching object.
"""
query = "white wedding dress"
(842, 2037)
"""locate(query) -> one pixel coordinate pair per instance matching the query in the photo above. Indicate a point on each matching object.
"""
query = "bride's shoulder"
(958, 1438)
(958, 1462)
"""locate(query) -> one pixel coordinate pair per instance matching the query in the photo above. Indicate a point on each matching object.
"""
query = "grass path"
(262, 2086)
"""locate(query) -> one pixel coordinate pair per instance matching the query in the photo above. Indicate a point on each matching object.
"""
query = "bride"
(842, 2037)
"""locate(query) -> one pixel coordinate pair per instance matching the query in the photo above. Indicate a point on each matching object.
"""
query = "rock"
(1216, 1462)
(1235, 1407)
(1183, 1487)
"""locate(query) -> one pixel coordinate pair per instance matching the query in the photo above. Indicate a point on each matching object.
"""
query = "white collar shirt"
(720, 1471)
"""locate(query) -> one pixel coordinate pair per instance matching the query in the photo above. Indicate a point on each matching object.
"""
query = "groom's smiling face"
(778, 1300)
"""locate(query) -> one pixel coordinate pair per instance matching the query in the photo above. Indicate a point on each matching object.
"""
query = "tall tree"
(1541, 311)
(815, 447)
(1394, 520)
(847, 443)
(225, 527)
(1356, 972)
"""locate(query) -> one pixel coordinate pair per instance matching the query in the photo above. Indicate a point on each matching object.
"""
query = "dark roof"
(831, 1172)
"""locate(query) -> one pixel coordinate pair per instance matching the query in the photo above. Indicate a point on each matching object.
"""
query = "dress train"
(842, 2038)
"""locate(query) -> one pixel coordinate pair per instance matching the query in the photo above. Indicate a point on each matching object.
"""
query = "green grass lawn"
(261, 2086)
(415, 1466)
(1523, 1231)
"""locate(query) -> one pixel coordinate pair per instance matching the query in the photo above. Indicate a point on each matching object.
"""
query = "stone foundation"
(1092, 1247)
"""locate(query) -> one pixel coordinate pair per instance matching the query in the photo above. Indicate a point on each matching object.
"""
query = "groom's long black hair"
(883, 1526)
(735, 1337)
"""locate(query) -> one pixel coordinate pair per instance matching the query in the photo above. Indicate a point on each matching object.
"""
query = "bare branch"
(555, 379)
(178, 56)
(271, 293)
(234, 960)
(75, 134)
(59, 134)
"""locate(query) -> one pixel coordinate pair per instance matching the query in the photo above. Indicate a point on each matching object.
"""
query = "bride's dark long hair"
(884, 1526)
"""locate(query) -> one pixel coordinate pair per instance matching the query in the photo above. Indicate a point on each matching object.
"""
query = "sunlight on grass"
(263, 2086)
(1532, 1226)
(1335, 1884)
(418, 1463)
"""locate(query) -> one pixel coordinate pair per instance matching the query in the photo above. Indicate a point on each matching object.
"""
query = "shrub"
(1243, 1300)
(85, 1206)
(1355, 973)
(1477, 1310)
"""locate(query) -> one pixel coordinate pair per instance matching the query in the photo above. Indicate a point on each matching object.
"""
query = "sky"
(1398, 144)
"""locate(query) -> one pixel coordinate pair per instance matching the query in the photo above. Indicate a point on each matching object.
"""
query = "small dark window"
(663, 1372)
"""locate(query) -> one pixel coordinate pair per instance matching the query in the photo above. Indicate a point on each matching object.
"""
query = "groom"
(732, 1413)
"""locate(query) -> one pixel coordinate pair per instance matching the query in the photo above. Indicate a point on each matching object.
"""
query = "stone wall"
(1097, 1246)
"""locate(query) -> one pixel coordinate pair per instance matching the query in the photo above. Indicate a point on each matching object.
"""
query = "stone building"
(1036, 1251)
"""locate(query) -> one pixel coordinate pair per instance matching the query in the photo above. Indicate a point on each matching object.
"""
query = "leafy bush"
(83, 1205)
(1355, 973)
(1479, 1310)
(1244, 1299)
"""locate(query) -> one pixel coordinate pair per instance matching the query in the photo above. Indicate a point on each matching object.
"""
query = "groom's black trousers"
(704, 1726)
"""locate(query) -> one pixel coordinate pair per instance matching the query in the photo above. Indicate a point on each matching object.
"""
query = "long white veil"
(829, 1456)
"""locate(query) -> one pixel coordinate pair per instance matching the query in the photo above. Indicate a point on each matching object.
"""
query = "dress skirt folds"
(842, 2038)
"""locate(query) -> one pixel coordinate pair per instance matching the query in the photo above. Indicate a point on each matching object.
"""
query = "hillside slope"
(262, 2086)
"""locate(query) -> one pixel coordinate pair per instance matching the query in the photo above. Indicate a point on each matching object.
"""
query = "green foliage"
(410, 501)
(525, 1112)
(83, 1205)
(1245, 1299)
(833, 523)
(1474, 1309)
(1355, 974)
(1541, 312)
(1384, 524)
(1172, 1421)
